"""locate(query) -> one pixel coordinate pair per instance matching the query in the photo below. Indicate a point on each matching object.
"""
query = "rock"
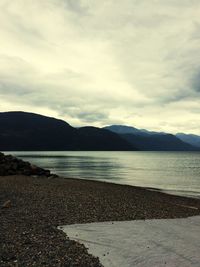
(6, 204)
(10, 165)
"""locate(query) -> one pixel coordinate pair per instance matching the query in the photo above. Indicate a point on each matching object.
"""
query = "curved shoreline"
(40, 204)
(178, 193)
(178, 178)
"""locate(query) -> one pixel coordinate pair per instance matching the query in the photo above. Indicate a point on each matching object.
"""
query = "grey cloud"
(101, 62)
(91, 117)
(76, 6)
(195, 82)
(19, 26)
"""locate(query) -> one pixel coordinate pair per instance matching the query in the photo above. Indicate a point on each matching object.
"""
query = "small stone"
(6, 204)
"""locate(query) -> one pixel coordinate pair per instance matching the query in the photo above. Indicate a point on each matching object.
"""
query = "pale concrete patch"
(150, 243)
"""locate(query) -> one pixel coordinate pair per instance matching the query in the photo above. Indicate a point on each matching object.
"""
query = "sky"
(90, 62)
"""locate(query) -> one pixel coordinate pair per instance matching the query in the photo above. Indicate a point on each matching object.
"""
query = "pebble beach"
(33, 206)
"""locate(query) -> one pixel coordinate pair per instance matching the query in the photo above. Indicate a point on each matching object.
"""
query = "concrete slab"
(150, 243)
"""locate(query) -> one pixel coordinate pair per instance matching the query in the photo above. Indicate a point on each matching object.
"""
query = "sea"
(172, 172)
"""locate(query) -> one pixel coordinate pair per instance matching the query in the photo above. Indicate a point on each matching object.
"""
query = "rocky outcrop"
(10, 165)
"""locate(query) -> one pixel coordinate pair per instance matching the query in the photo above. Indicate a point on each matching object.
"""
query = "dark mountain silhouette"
(151, 141)
(167, 142)
(191, 139)
(28, 131)
(123, 129)
(98, 137)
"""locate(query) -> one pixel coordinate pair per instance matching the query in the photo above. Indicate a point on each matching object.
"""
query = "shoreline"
(177, 185)
(40, 204)
(154, 189)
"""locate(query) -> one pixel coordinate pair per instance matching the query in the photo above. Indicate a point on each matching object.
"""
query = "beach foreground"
(141, 243)
(37, 205)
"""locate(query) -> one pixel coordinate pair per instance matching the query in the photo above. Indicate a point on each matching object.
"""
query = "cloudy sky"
(92, 62)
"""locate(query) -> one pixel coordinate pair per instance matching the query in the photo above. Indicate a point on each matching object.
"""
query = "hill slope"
(29, 131)
(123, 129)
(98, 137)
(191, 139)
(155, 142)
(151, 141)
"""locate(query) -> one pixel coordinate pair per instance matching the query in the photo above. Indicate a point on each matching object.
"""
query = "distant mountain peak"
(149, 140)
(120, 129)
(191, 139)
(124, 129)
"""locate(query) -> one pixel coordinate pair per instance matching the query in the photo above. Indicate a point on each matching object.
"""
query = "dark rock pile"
(10, 165)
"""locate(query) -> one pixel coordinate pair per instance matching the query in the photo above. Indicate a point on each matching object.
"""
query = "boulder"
(10, 165)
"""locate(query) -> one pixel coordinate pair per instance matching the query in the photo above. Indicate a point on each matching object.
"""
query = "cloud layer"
(103, 62)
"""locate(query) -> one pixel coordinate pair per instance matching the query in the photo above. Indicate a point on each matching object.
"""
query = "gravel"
(38, 204)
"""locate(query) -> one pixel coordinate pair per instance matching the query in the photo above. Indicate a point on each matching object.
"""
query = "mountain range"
(29, 131)
(151, 141)
(191, 139)
(123, 129)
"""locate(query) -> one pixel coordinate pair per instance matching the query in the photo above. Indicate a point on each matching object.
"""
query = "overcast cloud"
(133, 62)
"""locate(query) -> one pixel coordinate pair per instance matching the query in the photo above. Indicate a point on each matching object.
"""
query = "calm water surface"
(175, 172)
